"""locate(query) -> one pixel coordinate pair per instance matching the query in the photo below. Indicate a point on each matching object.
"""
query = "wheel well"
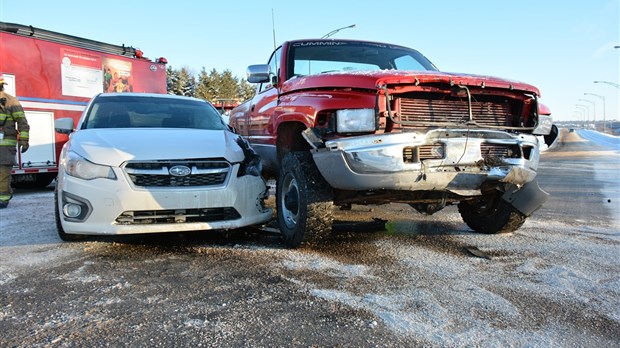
(290, 138)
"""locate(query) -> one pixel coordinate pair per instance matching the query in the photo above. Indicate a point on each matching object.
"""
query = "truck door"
(263, 103)
(262, 106)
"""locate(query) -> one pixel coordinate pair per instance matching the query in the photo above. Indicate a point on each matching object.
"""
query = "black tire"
(61, 231)
(303, 201)
(44, 179)
(490, 215)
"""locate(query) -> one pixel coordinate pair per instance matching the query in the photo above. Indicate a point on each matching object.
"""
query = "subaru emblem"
(180, 171)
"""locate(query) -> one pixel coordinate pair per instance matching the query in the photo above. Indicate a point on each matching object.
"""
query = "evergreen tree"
(181, 82)
(172, 79)
(204, 86)
(214, 85)
(211, 86)
(246, 90)
(229, 86)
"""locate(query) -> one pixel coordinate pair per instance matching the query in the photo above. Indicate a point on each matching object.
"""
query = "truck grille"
(157, 173)
(500, 150)
(152, 217)
(415, 154)
(426, 112)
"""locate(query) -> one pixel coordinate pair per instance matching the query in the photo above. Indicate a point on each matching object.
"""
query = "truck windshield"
(152, 112)
(311, 58)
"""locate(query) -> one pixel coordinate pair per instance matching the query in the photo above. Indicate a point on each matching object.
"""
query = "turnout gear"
(14, 130)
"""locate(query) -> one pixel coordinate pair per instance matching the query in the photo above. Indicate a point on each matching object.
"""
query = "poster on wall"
(117, 76)
(81, 73)
(9, 84)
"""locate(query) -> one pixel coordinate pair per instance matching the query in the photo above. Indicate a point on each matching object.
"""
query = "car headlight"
(544, 125)
(79, 167)
(355, 120)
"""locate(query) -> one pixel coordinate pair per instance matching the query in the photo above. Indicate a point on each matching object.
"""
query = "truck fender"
(526, 199)
(293, 117)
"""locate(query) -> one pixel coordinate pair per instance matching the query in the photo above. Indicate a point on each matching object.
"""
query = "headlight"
(355, 120)
(79, 167)
(544, 125)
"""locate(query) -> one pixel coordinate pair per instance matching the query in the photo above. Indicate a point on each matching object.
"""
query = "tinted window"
(152, 112)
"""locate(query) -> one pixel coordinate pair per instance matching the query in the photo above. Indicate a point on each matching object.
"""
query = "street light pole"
(586, 112)
(337, 30)
(609, 83)
(601, 97)
(581, 115)
(593, 111)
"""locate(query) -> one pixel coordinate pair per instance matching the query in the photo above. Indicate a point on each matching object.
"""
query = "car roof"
(151, 95)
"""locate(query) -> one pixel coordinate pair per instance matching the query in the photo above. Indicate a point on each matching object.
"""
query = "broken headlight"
(355, 120)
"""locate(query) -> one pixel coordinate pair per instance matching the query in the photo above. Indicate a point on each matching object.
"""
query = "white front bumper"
(111, 198)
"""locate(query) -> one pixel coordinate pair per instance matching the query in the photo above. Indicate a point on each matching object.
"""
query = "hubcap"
(289, 201)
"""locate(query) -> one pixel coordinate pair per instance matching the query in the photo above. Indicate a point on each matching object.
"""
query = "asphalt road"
(416, 280)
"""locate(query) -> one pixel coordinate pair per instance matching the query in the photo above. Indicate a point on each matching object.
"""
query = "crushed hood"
(113, 147)
(375, 79)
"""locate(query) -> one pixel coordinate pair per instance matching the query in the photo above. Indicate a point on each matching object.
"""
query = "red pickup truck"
(343, 122)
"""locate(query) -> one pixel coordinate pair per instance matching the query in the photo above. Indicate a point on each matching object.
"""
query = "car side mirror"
(63, 125)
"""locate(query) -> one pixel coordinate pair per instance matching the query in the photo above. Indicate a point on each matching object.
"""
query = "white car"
(146, 163)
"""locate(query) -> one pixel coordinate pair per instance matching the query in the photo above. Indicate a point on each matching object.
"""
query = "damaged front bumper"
(457, 160)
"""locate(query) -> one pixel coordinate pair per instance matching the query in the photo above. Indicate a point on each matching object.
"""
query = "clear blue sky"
(560, 46)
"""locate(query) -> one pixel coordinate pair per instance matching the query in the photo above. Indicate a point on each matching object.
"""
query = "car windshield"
(310, 58)
(152, 112)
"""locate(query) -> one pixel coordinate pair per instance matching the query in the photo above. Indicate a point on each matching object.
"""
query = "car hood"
(115, 146)
(377, 79)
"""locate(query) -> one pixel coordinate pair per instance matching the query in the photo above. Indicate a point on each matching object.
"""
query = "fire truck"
(54, 75)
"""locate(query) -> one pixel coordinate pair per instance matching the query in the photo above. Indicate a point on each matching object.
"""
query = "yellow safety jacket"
(13, 128)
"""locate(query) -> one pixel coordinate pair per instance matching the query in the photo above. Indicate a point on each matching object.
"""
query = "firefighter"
(12, 122)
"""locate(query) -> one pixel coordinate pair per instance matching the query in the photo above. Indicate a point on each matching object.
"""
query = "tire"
(43, 180)
(491, 215)
(67, 237)
(303, 201)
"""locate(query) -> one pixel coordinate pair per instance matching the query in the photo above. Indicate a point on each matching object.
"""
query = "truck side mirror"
(258, 73)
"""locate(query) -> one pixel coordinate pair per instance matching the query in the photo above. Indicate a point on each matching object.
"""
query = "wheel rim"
(289, 201)
(488, 205)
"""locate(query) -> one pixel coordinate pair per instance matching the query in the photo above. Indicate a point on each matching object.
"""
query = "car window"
(273, 68)
(152, 112)
(311, 58)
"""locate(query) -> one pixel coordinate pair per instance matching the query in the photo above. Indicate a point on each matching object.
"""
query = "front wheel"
(303, 201)
(490, 215)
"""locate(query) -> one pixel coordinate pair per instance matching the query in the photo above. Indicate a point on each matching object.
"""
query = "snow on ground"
(36, 246)
(536, 286)
(450, 298)
(611, 141)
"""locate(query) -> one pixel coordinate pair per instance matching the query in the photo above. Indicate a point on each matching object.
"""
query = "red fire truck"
(54, 75)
